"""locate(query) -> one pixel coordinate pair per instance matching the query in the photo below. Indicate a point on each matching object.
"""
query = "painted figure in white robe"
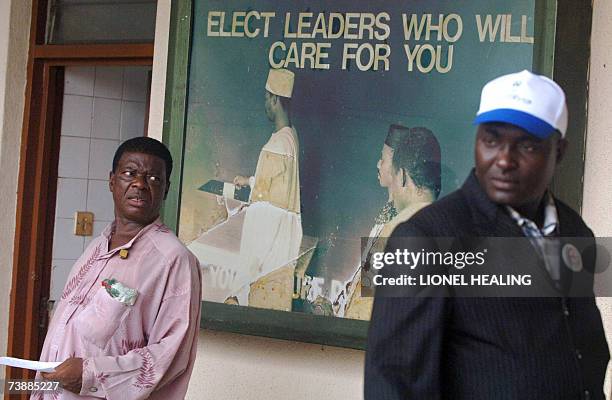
(272, 229)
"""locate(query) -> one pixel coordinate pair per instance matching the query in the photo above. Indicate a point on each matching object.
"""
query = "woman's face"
(385, 167)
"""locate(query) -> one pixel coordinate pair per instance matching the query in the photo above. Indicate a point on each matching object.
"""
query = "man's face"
(513, 167)
(268, 106)
(385, 166)
(139, 185)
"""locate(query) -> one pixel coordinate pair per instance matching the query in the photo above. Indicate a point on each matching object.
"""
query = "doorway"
(103, 106)
(59, 102)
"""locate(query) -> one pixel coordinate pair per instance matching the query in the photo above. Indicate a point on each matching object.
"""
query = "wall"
(597, 183)
(237, 367)
(268, 368)
(103, 106)
(14, 37)
(158, 80)
(240, 367)
(5, 12)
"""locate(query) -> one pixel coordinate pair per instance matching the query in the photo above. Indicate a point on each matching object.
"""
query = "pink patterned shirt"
(144, 351)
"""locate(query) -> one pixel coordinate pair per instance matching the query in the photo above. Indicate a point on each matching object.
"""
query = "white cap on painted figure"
(280, 82)
(532, 102)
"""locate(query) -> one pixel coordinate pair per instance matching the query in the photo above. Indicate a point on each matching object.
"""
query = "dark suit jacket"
(484, 348)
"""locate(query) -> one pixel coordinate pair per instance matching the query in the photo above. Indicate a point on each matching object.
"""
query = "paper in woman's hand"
(41, 366)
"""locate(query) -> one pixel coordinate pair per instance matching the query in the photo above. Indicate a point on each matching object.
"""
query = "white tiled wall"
(103, 106)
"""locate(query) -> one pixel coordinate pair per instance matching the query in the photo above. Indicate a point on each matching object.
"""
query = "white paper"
(27, 364)
(228, 190)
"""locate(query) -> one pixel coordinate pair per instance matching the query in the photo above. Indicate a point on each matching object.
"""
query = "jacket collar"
(478, 199)
(490, 218)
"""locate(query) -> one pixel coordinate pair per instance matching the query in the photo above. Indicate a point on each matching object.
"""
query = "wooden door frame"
(37, 181)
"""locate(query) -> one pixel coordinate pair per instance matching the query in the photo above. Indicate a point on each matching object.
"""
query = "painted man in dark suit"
(496, 347)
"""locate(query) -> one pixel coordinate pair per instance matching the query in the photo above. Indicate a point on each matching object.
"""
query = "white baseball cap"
(532, 102)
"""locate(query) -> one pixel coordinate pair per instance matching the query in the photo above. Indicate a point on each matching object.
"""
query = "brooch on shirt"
(120, 292)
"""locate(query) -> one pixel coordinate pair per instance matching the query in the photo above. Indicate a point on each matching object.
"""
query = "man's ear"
(273, 99)
(403, 178)
(111, 181)
(561, 149)
(407, 180)
(167, 190)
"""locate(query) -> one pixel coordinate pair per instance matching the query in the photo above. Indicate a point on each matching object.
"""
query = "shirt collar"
(551, 218)
(411, 209)
(110, 228)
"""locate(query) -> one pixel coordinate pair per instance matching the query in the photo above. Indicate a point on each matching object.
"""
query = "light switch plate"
(83, 223)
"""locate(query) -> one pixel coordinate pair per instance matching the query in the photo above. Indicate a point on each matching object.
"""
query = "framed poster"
(278, 115)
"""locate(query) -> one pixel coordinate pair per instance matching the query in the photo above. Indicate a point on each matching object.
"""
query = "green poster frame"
(561, 50)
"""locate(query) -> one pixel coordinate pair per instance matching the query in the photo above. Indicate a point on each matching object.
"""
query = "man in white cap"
(497, 347)
(272, 229)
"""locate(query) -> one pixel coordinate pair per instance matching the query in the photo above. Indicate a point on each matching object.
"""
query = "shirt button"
(93, 389)
(587, 395)
(579, 356)
(566, 311)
